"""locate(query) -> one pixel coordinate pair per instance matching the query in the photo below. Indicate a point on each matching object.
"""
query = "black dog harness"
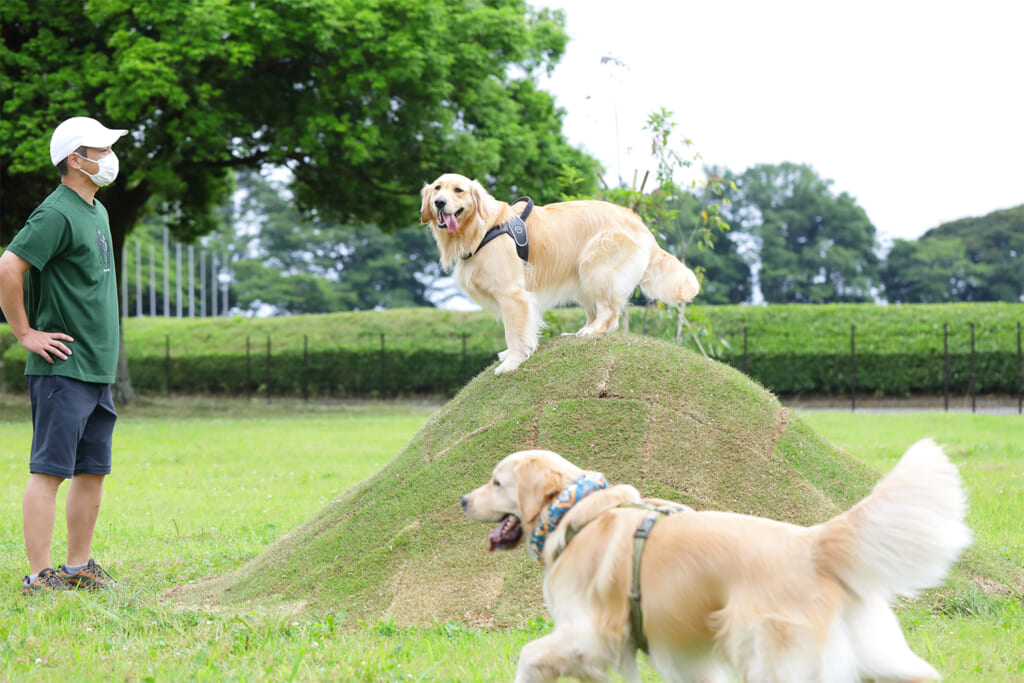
(654, 513)
(515, 227)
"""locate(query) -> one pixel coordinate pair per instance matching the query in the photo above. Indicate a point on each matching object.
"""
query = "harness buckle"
(644, 530)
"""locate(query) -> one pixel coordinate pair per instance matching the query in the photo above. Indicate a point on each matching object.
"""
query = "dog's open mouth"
(448, 220)
(506, 535)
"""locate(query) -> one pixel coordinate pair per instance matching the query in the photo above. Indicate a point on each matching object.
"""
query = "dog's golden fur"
(728, 596)
(591, 252)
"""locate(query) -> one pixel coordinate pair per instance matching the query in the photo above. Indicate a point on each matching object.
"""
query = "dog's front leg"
(519, 316)
(563, 652)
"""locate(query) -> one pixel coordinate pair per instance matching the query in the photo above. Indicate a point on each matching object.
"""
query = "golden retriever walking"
(591, 252)
(723, 596)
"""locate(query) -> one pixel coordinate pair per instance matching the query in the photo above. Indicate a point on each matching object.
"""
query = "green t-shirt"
(71, 287)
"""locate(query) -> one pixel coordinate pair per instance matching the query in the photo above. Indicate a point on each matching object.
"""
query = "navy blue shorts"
(72, 426)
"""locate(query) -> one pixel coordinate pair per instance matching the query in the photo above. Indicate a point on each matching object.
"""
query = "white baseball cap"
(78, 132)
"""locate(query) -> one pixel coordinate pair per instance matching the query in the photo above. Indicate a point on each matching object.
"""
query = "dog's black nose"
(440, 202)
(465, 502)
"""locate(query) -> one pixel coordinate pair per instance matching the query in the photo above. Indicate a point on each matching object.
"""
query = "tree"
(363, 101)
(994, 245)
(680, 221)
(279, 253)
(725, 274)
(815, 247)
(932, 271)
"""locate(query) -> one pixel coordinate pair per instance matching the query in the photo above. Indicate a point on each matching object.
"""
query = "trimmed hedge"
(899, 350)
(344, 372)
(789, 349)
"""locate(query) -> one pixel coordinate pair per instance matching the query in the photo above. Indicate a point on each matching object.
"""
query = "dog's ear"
(426, 216)
(484, 204)
(536, 485)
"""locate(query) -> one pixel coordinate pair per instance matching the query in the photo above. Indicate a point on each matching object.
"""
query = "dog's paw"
(510, 362)
(502, 354)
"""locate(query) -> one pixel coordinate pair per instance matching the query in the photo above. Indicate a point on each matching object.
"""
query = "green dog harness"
(654, 513)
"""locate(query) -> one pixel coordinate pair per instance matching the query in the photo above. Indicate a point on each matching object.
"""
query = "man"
(65, 314)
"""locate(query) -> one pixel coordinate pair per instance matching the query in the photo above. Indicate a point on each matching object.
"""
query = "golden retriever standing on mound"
(591, 252)
(724, 596)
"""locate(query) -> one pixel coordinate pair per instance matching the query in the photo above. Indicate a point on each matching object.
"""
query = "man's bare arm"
(12, 302)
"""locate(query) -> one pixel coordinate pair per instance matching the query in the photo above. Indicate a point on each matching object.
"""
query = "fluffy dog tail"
(906, 534)
(667, 279)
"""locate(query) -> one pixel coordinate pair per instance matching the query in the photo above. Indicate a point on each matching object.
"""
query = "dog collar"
(514, 227)
(570, 495)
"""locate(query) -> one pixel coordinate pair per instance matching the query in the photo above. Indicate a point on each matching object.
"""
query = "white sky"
(916, 109)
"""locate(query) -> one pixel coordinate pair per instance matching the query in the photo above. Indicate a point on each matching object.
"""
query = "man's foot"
(47, 581)
(91, 576)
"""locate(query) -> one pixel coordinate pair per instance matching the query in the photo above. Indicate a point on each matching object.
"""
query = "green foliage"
(791, 349)
(288, 263)
(364, 101)
(815, 247)
(678, 220)
(971, 259)
(933, 271)
(899, 349)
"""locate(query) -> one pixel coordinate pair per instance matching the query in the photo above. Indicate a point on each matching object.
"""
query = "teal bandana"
(570, 495)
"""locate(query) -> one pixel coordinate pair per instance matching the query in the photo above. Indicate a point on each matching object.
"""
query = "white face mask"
(107, 173)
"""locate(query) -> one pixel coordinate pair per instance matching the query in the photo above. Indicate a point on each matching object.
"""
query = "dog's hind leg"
(880, 649)
(610, 268)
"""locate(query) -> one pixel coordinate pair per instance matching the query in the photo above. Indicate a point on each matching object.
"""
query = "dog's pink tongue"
(495, 536)
(450, 222)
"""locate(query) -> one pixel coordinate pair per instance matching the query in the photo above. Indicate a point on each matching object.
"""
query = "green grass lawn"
(201, 487)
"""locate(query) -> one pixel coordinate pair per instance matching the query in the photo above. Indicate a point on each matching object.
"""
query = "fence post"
(462, 366)
(123, 275)
(152, 280)
(945, 365)
(746, 367)
(202, 284)
(972, 367)
(248, 370)
(191, 281)
(853, 372)
(138, 279)
(167, 275)
(1020, 375)
(167, 364)
(177, 285)
(380, 382)
(305, 368)
(270, 370)
(213, 285)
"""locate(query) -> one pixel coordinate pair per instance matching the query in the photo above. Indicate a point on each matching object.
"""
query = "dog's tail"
(667, 279)
(905, 535)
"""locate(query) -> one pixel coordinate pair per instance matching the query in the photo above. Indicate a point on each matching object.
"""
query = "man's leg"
(38, 511)
(92, 464)
(81, 511)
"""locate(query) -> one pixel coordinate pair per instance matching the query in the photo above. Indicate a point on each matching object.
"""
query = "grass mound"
(644, 412)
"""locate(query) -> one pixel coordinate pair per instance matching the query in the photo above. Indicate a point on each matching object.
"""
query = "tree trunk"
(130, 204)
(122, 390)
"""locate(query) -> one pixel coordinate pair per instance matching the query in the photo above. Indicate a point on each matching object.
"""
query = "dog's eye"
(458, 190)
(437, 187)
(496, 482)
